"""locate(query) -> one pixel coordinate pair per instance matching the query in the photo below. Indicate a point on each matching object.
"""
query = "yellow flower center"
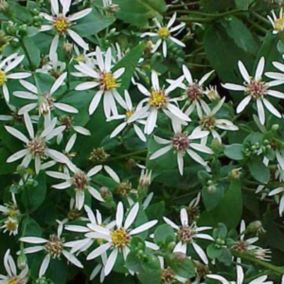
(13, 212)
(80, 58)
(14, 280)
(36, 147)
(163, 32)
(2, 78)
(129, 113)
(158, 99)
(61, 24)
(108, 82)
(11, 225)
(208, 122)
(120, 238)
(279, 24)
(54, 246)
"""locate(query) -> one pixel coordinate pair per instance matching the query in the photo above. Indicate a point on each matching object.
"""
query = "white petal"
(242, 105)
(244, 71)
(110, 262)
(144, 227)
(234, 87)
(259, 69)
(271, 108)
(98, 251)
(44, 265)
(160, 152)
(119, 215)
(18, 155)
(78, 39)
(200, 252)
(16, 133)
(79, 15)
(74, 260)
(131, 216)
(59, 81)
(260, 111)
(33, 240)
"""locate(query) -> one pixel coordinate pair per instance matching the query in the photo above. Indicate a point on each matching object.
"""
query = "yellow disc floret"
(61, 24)
(120, 238)
(2, 78)
(158, 99)
(108, 82)
(279, 24)
(164, 32)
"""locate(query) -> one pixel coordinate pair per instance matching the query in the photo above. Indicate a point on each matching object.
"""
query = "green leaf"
(213, 6)
(93, 24)
(30, 227)
(129, 62)
(212, 197)
(32, 52)
(243, 4)
(259, 171)
(164, 234)
(232, 199)
(183, 267)
(234, 152)
(138, 12)
(223, 53)
(213, 251)
(33, 194)
(241, 35)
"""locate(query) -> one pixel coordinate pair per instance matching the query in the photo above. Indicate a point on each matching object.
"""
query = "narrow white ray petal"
(18, 155)
(131, 216)
(201, 148)
(271, 108)
(119, 215)
(234, 87)
(243, 104)
(33, 240)
(160, 152)
(200, 252)
(78, 39)
(171, 223)
(143, 227)
(44, 265)
(16, 133)
(73, 259)
(79, 15)
(259, 69)
(112, 174)
(98, 251)
(110, 262)
(260, 111)
(180, 162)
(58, 83)
(244, 72)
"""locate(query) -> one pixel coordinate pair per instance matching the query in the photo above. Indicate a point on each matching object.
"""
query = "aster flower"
(188, 234)
(11, 269)
(118, 238)
(277, 22)
(78, 180)
(194, 91)
(157, 100)
(248, 245)
(240, 278)
(7, 65)
(165, 33)
(62, 24)
(44, 102)
(36, 145)
(210, 122)
(11, 214)
(181, 143)
(105, 80)
(256, 89)
(129, 111)
(54, 247)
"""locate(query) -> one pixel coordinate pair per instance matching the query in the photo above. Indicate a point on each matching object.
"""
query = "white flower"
(165, 33)
(119, 236)
(256, 89)
(157, 100)
(6, 65)
(188, 234)
(61, 24)
(129, 111)
(194, 91)
(12, 215)
(36, 146)
(209, 122)
(182, 143)
(11, 269)
(240, 278)
(277, 22)
(80, 181)
(45, 102)
(54, 247)
(104, 80)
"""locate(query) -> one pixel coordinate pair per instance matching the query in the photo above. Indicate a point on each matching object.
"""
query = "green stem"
(136, 153)
(277, 270)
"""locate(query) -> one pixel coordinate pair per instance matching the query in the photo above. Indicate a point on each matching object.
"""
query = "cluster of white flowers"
(192, 109)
